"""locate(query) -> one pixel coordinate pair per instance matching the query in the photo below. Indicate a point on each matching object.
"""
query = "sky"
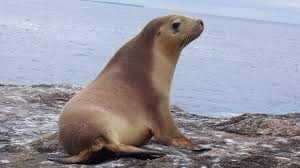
(284, 11)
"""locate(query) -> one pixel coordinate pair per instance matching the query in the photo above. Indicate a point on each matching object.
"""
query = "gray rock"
(29, 124)
(261, 124)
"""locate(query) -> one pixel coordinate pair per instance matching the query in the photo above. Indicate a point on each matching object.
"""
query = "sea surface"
(236, 66)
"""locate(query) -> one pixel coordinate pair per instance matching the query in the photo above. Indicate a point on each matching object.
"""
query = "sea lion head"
(174, 32)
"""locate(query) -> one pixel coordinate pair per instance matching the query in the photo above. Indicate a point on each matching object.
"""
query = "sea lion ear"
(158, 33)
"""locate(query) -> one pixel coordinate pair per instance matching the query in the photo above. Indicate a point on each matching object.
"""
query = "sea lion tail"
(121, 149)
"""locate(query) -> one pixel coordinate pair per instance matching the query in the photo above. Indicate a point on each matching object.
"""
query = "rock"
(12, 149)
(176, 109)
(249, 140)
(261, 124)
(47, 143)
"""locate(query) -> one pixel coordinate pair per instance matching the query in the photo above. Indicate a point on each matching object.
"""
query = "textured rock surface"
(28, 116)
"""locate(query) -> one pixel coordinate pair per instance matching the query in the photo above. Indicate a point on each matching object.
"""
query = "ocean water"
(236, 65)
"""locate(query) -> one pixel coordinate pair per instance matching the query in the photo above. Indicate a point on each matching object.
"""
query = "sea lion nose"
(200, 22)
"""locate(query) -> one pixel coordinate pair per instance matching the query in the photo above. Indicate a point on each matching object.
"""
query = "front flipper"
(166, 132)
(180, 141)
(185, 143)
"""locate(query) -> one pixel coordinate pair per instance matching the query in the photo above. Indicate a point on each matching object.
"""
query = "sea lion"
(129, 101)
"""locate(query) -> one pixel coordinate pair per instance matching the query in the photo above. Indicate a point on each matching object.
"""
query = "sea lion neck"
(163, 68)
(134, 58)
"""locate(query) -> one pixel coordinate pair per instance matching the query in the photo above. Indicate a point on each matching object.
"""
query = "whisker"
(183, 43)
(189, 38)
(185, 40)
(178, 47)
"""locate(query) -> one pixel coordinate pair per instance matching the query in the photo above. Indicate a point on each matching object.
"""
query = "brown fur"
(128, 102)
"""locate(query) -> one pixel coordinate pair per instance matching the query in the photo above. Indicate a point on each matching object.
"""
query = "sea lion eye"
(176, 25)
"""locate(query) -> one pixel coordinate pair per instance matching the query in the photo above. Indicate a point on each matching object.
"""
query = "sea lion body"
(128, 102)
(102, 116)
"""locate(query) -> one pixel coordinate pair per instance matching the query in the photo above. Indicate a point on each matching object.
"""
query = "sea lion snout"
(194, 30)
(198, 27)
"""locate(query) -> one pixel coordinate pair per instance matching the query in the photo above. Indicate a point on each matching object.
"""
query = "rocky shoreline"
(28, 116)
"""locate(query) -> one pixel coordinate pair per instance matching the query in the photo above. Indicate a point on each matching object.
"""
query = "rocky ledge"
(28, 116)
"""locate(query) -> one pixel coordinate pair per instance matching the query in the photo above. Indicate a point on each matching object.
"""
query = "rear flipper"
(125, 150)
(83, 156)
(197, 148)
(118, 149)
